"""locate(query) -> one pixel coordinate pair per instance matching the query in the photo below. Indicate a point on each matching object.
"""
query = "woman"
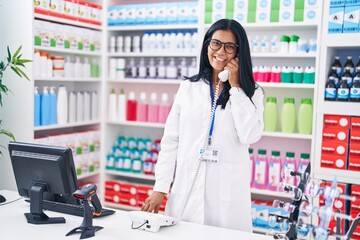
(212, 188)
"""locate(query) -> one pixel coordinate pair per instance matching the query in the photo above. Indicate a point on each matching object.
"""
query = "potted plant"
(15, 63)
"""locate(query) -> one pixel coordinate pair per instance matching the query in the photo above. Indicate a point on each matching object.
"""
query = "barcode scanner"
(87, 194)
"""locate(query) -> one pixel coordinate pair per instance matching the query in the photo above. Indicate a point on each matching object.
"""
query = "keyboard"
(72, 209)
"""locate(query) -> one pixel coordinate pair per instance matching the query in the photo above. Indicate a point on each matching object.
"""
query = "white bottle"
(194, 41)
(152, 68)
(250, 43)
(79, 107)
(86, 68)
(192, 69)
(78, 68)
(112, 106)
(87, 108)
(49, 67)
(159, 42)
(172, 40)
(145, 42)
(161, 69)
(188, 41)
(265, 45)
(127, 44)
(171, 70)
(112, 42)
(43, 64)
(69, 68)
(94, 105)
(62, 105)
(166, 40)
(120, 44)
(180, 41)
(142, 68)
(37, 63)
(133, 68)
(72, 107)
(112, 68)
(183, 69)
(152, 40)
(120, 68)
(256, 44)
(121, 106)
(274, 44)
(136, 44)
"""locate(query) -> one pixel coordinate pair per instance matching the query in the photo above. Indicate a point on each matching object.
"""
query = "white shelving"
(130, 174)
(67, 125)
(64, 79)
(66, 21)
(88, 175)
(283, 55)
(286, 85)
(137, 124)
(68, 51)
(147, 81)
(152, 27)
(287, 135)
(155, 54)
(121, 206)
(279, 26)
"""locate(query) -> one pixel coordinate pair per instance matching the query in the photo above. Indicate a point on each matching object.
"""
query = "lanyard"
(214, 98)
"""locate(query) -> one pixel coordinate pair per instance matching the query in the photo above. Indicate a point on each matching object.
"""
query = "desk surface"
(13, 225)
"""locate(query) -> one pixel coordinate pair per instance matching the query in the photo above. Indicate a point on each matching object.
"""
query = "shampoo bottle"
(142, 108)
(164, 108)
(274, 170)
(131, 107)
(62, 105)
(288, 116)
(52, 105)
(270, 115)
(261, 170)
(112, 106)
(36, 107)
(121, 106)
(45, 107)
(153, 109)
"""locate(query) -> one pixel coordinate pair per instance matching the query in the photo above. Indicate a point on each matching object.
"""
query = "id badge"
(210, 155)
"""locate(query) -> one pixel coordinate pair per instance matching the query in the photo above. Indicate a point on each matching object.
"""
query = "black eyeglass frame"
(222, 44)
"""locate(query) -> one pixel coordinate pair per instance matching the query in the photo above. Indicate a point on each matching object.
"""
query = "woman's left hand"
(233, 68)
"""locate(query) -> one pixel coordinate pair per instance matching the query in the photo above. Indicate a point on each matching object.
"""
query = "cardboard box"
(121, 187)
(336, 20)
(335, 134)
(332, 161)
(354, 157)
(337, 121)
(351, 19)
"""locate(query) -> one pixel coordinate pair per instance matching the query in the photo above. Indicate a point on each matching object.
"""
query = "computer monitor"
(43, 172)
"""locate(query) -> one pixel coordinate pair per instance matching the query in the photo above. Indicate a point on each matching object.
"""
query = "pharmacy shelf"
(66, 21)
(152, 27)
(154, 54)
(342, 41)
(342, 176)
(339, 108)
(67, 79)
(273, 194)
(286, 85)
(67, 125)
(121, 206)
(288, 135)
(147, 80)
(283, 55)
(137, 124)
(269, 232)
(130, 175)
(277, 26)
(68, 51)
(87, 175)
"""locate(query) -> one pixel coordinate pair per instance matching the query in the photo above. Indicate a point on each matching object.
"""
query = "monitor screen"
(43, 172)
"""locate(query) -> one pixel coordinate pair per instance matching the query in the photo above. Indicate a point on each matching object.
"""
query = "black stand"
(36, 215)
(86, 229)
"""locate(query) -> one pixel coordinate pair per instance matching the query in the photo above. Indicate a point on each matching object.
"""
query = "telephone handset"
(224, 75)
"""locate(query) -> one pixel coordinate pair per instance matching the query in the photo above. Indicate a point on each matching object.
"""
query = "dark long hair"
(246, 79)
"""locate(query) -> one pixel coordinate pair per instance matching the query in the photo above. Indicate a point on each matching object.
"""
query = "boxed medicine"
(336, 20)
(351, 19)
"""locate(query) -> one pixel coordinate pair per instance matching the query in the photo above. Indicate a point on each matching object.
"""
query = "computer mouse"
(2, 199)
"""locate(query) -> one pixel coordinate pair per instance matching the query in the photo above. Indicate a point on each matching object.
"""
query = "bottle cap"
(122, 91)
(52, 89)
(271, 99)
(262, 151)
(45, 90)
(251, 150)
(275, 153)
(164, 97)
(289, 100)
(306, 101)
(132, 96)
(143, 96)
(113, 91)
(290, 154)
(153, 97)
(285, 38)
(294, 38)
(36, 90)
(305, 155)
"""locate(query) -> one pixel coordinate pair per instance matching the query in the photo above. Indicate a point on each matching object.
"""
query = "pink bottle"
(164, 108)
(303, 163)
(142, 108)
(153, 109)
(275, 74)
(263, 75)
(252, 168)
(255, 71)
(131, 107)
(261, 170)
(274, 171)
(289, 165)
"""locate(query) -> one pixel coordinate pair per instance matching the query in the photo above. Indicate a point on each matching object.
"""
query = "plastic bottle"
(270, 115)
(302, 46)
(152, 41)
(166, 40)
(330, 89)
(263, 75)
(194, 41)
(142, 68)
(133, 68)
(188, 41)
(145, 42)
(159, 42)
(343, 91)
(153, 109)
(261, 170)
(256, 46)
(43, 63)
(72, 107)
(350, 65)
(305, 116)
(286, 74)
(120, 44)
(112, 43)
(265, 45)
(127, 44)
(52, 105)
(304, 162)
(164, 108)
(49, 66)
(255, 70)
(45, 107)
(142, 108)
(78, 68)
(171, 70)
(94, 105)
(183, 69)
(121, 106)
(161, 70)
(131, 107)
(120, 68)
(347, 75)
(337, 65)
(334, 75)
(62, 105)
(355, 89)
(79, 106)
(274, 44)
(288, 116)
(298, 74)
(179, 41)
(275, 75)
(284, 44)
(69, 68)
(86, 68)
(172, 40)
(94, 68)
(192, 69)
(136, 44)
(87, 107)
(309, 75)
(36, 107)
(152, 68)
(274, 171)
(289, 165)
(37, 63)
(252, 166)
(112, 106)
(293, 44)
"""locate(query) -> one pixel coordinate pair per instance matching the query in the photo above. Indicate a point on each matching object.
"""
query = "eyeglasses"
(215, 45)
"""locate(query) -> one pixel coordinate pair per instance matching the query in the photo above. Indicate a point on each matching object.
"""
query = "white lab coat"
(221, 195)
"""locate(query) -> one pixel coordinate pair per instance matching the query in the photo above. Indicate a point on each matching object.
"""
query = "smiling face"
(220, 58)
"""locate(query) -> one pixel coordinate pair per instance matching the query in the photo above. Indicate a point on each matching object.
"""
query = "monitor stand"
(36, 215)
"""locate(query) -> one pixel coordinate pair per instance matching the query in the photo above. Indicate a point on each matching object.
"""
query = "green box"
(299, 4)
(251, 18)
(274, 15)
(299, 15)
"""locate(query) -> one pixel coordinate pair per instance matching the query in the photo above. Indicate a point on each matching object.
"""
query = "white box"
(219, 10)
(337, 3)
(140, 16)
(263, 5)
(351, 19)
(336, 19)
(263, 16)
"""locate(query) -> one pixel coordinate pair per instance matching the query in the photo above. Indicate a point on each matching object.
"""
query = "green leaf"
(9, 54)
(0, 100)
(17, 52)
(22, 73)
(7, 133)
(24, 60)
(16, 71)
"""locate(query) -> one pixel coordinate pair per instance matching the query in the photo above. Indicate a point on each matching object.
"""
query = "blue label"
(240, 17)
(330, 93)
(287, 3)
(311, 14)
(219, 5)
(355, 93)
(241, 4)
(262, 16)
(263, 3)
(311, 2)
(343, 93)
(286, 15)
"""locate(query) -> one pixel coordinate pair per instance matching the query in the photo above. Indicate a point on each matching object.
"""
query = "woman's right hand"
(153, 203)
